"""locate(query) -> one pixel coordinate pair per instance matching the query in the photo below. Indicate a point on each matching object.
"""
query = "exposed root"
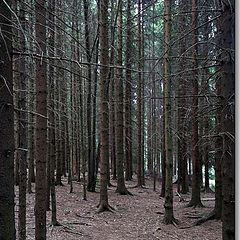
(184, 227)
(103, 207)
(204, 219)
(123, 192)
(194, 205)
(78, 215)
(173, 221)
(70, 230)
(141, 186)
(55, 224)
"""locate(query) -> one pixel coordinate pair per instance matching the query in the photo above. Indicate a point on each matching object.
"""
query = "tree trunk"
(168, 204)
(119, 127)
(195, 198)
(41, 124)
(51, 114)
(113, 22)
(227, 46)
(7, 224)
(139, 100)
(218, 160)
(182, 128)
(22, 134)
(91, 160)
(94, 150)
(128, 121)
(60, 91)
(103, 106)
(163, 156)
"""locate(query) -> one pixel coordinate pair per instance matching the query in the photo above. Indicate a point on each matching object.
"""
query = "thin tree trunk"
(128, 121)
(31, 118)
(91, 161)
(52, 148)
(163, 157)
(195, 198)
(22, 134)
(168, 204)
(94, 150)
(41, 124)
(121, 188)
(111, 79)
(7, 224)
(139, 100)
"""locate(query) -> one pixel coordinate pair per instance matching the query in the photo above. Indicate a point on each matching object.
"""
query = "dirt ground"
(135, 217)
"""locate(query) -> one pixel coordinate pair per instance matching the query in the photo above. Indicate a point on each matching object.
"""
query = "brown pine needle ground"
(135, 217)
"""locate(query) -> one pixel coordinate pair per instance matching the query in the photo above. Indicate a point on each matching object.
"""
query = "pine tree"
(7, 224)
(41, 124)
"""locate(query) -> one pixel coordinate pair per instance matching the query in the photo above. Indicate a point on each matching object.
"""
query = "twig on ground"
(181, 199)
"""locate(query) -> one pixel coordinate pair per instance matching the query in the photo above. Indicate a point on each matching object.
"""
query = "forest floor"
(135, 217)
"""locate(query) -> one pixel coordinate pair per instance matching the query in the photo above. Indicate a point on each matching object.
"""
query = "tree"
(91, 160)
(121, 188)
(41, 123)
(182, 129)
(128, 95)
(22, 126)
(51, 114)
(168, 204)
(228, 102)
(139, 100)
(103, 108)
(195, 198)
(7, 224)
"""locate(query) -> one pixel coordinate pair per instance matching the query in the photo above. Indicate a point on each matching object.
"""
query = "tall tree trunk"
(128, 97)
(94, 150)
(182, 128)
(195, 198)
(60, 99)
(41, 123)
(218, 159)
(142, 99)
(121, 188)
(139, 100)
(168, 204)
(7, 224)
(104, 110)
(22, 134)
(52, 148)
(228, 125)
(111, 79)
(91, 160)
(31, 118)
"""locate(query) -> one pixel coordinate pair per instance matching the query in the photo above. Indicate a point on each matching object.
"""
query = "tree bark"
(121, 188)
(91, 160)
(195, 198)
(128, 105)
(139, 100)
(182, 128)
(7, 224)
(41, 123)
(168, 204)
(228, 124)
(103, 107)
(22, 134)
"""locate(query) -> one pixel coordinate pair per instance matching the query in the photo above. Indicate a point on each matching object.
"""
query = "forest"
(117, 119)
